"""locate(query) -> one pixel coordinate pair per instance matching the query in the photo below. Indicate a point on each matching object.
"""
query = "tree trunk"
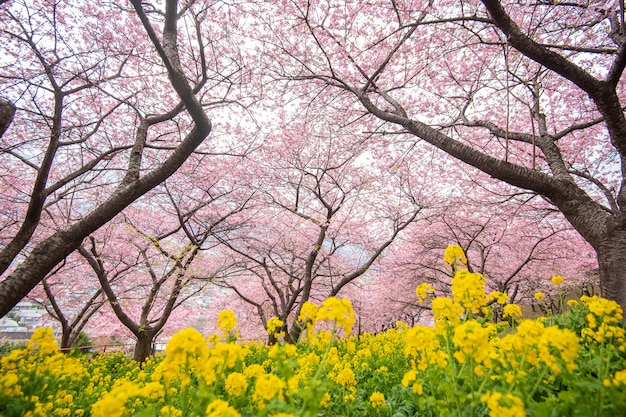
(611, 254)
(66, 339)
(293, 336)
(7, 112)
(143, 347)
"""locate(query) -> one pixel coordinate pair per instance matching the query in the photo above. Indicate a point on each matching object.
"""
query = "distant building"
(21, 322)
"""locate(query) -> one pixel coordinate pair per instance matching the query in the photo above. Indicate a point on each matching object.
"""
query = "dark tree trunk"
(611, 254)
(144, 346)
(7, 111)
(66, 339)
(293, 336)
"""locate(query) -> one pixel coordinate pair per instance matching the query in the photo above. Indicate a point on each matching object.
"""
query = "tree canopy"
(289, 151)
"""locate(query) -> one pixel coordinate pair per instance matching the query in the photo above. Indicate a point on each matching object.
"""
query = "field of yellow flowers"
(466, 365)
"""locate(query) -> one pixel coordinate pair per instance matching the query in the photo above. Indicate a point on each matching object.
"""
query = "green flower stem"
(603, 373)
(455, 370)
(472, 383)
(537, 383)
(320, 367)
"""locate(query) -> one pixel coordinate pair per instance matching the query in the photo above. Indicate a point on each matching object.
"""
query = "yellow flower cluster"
(338, 310)
(274, 326)
(423, 347)
(618, 380)
(308, 314)
(454, 256)
(170, 411)
(266, 388)
(227, 323)
(220, 408)
(603, 322)
(42, 341)
(557, 280)
(472, 339)
(186, 351)
(41, 358)
(460, 366)
(512, 311)
(504, 405)
(500, 297)
(377, 400)
(537, 345)
(468, 291)
(236, 384)
(446, 312)
(113, 403)
(422, 291)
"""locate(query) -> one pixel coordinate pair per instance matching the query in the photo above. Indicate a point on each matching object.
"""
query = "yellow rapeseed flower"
(186, 343)
(603, 321)
(308, 363)
(345, 378)
(113, 403)
(266, 388)
(377, 400)
(253, 370)
(454, 255)
(557, 280)
(338, 310)
(227, 323)
(421, 343)
(42, 341)
(512, 311)
(507, 405)
(186, 351)
(422, 291)
(225, 356)
(220, 408)
(9, 384)
(274, 327)
(236, 384)
(536, 345)
(170, 411)
(499, 296)
(539, 296)
(619, 379)
(308, 313)
(325, 400)
(562, 341)
(446, 312)
(473, 341)
(468, 290)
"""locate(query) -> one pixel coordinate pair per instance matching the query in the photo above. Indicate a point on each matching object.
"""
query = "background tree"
(69, 304)
(518, 250)
(147, 270)
(80, 101)
(324, 214)
(527, 94)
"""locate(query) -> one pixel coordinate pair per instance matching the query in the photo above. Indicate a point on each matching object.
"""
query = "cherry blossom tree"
(148, 269)
(517, 248)
(347, 125)
(529, 94)
(107, 109)
(323, 215)
(70, 298)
